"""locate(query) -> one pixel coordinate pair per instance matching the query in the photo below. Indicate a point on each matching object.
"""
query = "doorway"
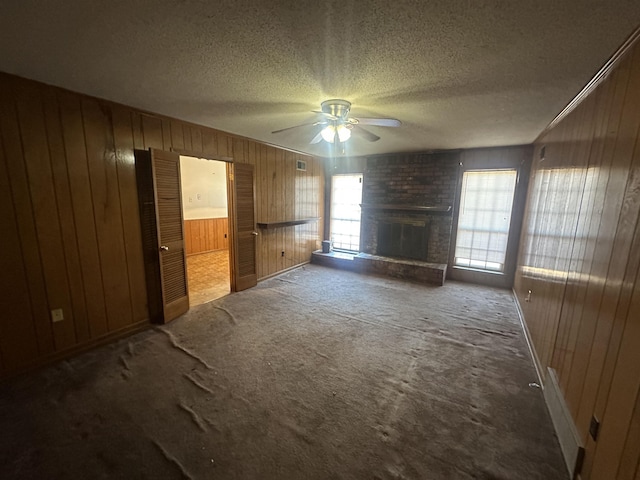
(206, 228)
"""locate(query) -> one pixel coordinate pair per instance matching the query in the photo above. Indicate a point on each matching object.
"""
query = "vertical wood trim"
(152, 132)
(18, 340)
(45, 210)
(107, 213)
(19, 182)
(83, 211)
(209, 146)
(625, 387)
(196, 139)
(126, 170)
(166, 135)
(136, 131)
(177, 136)
(254, 152)
(630, 458)
(65, 212)
(223, 145)
(186, 136)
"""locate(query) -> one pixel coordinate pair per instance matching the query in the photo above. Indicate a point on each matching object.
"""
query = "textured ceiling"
(456, 73)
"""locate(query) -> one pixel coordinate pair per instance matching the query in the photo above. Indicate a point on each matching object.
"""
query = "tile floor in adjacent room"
(208, 275)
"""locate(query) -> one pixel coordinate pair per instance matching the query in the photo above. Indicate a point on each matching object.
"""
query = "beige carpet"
(316, 374)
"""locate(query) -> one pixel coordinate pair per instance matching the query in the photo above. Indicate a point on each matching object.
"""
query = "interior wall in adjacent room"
(578, 281)
(204, 188)
(70, 223)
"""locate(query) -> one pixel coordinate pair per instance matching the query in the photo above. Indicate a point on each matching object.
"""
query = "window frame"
(471, 261)
(331, 212)
(493, 158)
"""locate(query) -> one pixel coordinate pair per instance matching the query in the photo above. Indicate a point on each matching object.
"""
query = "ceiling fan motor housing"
(337, 108)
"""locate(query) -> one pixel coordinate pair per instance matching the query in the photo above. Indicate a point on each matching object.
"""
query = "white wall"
(204, 188)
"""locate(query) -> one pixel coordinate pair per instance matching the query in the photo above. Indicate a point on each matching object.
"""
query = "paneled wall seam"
(63, 253)
(17, 229)
(35, 226)
(93, 207)
(72, 215)
(116, 154)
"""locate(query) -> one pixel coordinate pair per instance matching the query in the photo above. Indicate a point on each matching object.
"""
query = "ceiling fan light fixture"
(329, 133)
(344, 133)
(338, 126)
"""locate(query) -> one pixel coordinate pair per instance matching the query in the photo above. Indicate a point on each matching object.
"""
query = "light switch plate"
(57, 315)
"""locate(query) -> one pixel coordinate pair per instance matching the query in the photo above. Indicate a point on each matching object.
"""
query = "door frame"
(147, 196)
(231, 211)
(230, 203)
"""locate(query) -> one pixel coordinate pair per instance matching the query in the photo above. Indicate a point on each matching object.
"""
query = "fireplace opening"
(407, 239)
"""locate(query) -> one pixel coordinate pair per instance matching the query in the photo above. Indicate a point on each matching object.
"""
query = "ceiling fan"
(338, 126)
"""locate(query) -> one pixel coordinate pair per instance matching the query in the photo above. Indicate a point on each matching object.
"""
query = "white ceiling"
(457, 73)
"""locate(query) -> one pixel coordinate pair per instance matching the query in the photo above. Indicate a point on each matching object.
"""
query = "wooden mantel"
(288, 223)
(411, 208)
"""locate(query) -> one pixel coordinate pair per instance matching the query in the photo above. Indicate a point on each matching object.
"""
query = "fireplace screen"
(405, 240)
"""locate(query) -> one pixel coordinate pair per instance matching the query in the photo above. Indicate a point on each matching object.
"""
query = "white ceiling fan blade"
(316, 139)
(298, 126)
(364, 133)
(328, 115)
(378, 122)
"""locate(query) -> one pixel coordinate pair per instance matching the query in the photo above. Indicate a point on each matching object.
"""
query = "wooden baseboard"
(78, 349)
(568, 437)
(570, 442)
(283, 271)
(527, 336)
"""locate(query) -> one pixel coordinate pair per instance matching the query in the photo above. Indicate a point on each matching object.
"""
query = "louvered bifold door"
(245, 256)
(168, 199)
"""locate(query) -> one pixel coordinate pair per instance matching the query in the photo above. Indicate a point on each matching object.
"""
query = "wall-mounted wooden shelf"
(411, 208)
(289, 223)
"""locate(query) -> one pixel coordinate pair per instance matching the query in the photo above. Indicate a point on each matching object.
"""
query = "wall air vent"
(301, 165)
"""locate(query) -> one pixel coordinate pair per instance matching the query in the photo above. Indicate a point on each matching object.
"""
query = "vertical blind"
(346, 196)
(486, 201)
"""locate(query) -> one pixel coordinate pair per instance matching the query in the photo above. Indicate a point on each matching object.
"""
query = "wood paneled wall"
(206, 235)
(579, 257)
(289, 195)
(70, 222)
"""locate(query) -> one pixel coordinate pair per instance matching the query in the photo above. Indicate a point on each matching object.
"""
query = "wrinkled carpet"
(315, 374)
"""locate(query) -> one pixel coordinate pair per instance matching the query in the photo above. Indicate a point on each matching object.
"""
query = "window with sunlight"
(486, 201)
(346, 196)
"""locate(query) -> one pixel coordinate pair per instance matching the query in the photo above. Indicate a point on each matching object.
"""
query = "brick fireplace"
(406, 222)
(407, 204)
(410, 190)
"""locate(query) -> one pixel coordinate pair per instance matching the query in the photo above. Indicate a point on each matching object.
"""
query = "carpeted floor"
(315, 374)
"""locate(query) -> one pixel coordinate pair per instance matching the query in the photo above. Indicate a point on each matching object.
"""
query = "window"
(346, 196)
(486, 201)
